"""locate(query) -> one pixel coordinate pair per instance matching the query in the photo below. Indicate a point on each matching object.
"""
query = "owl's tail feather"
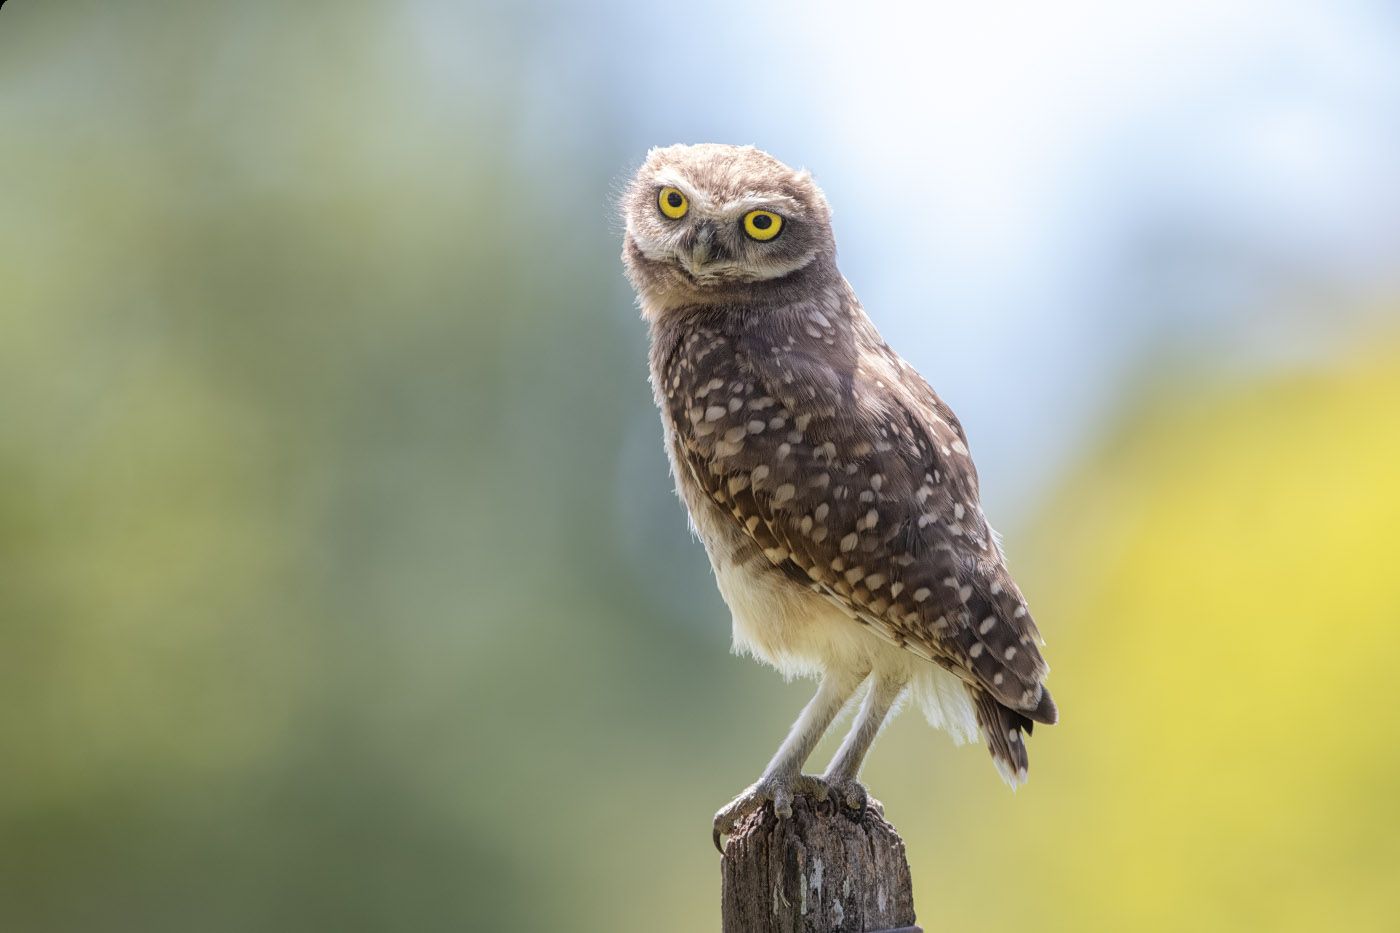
(1004, 731)
(1045, 711)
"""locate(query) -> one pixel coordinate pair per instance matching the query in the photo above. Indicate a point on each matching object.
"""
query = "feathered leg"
(841, 775)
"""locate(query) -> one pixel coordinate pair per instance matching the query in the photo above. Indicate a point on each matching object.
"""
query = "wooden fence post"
(821, 871)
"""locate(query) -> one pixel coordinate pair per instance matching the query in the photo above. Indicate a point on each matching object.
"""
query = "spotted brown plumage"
(852, 476)
(833, 489)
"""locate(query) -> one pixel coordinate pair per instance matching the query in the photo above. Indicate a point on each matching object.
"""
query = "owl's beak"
(704, 243)
(702, 248)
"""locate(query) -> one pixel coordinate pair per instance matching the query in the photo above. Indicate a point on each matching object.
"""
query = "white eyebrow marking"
(777, 203)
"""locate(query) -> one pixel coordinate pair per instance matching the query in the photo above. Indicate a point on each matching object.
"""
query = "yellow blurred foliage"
(1221, 594)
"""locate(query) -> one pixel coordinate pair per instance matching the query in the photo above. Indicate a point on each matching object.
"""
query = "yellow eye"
(762, 225)
(672, 203)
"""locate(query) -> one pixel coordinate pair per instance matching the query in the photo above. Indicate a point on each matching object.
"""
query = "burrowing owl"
(832, 488)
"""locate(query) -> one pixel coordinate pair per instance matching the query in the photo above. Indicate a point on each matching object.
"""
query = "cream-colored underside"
(801, 633)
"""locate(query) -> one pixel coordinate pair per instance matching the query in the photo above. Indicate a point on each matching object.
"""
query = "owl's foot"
(853, 795)
(777, 791)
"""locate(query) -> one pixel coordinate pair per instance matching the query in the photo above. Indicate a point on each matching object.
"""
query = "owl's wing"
(858, 483)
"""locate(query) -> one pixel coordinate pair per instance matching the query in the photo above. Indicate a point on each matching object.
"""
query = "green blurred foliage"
(342, 587)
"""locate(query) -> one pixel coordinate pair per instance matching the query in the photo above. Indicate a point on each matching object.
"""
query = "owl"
(831, 487)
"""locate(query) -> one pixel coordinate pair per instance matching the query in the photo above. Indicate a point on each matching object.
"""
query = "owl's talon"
(780, 792)
(853, 795)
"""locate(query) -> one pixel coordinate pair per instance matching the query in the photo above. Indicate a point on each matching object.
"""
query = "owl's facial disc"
(711, 223)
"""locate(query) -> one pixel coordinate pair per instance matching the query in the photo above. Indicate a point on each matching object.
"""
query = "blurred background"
(341, 582)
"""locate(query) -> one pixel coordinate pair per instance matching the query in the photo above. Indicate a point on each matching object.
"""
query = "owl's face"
(712, 223)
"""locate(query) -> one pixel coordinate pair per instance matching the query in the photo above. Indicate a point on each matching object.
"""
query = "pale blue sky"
(1041, 205)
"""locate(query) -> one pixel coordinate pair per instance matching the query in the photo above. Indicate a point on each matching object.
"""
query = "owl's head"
(711, 224)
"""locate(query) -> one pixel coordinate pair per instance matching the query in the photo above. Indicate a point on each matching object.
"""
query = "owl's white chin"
(704, 274)
(712, 274)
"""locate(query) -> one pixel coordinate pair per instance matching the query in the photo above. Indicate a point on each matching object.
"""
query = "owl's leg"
(844, 769)
(783, 778)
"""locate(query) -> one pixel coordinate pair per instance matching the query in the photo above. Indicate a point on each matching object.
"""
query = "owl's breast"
(714, 409)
